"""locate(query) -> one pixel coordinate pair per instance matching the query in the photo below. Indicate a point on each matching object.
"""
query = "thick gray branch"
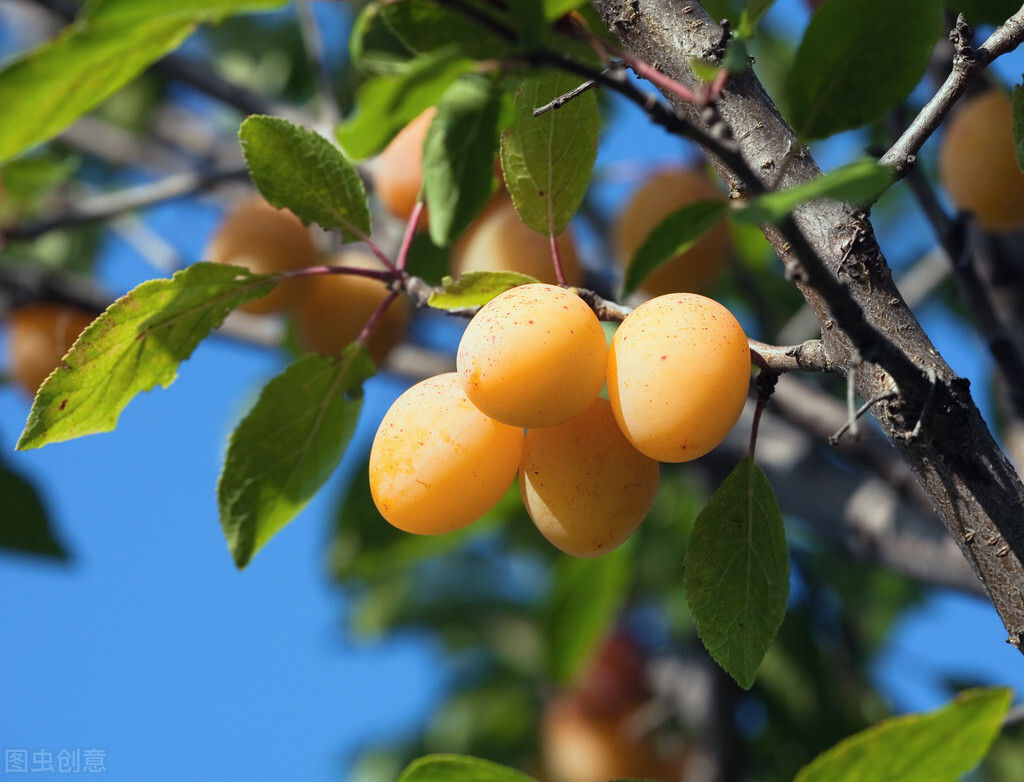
(936, 426)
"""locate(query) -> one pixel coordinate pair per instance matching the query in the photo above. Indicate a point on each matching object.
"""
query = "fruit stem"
(766, 380)
(410, 232)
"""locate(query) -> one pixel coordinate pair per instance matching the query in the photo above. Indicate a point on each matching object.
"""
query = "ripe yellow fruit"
(584, 485)
(533, 356)
(437, 463)
(499, 241)
(662, 194)
(264, 239)
(398, 170)
(678, 374)
(978, 164)
(333, 309)
(38, 337)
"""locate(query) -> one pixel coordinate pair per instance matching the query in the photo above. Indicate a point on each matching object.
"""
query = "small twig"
(967, 64)
(410, 233)
(851, 423)
(327, 102)
(809, 356)
(927, 406)
(104, 206)
(766, 382)
(561, 100)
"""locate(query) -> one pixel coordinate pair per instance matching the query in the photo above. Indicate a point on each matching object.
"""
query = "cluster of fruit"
(526, 398)
(329, 310)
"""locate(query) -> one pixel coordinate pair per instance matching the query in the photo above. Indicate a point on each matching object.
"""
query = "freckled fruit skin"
(333, 309)
(398, 170)
(978, 165)
(499, 241)
(678, 373)
(662, 194)
(38, 337)
(437, 463)
(533, 356)
(263, 239)
(584, 485)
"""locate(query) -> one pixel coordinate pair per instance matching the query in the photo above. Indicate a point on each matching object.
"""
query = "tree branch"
(936, 426)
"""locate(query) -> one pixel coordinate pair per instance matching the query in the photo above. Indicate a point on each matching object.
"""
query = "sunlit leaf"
(843, 78)
(287, 446)
(475, 289)
(737, 572)
(940, 746)
(459, 768)
(859, 183)
(134, 346)
(548, 160)
(191, 10)
(427, 25)
(296, 168)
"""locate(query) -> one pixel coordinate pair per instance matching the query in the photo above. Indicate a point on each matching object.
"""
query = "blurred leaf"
(940, 746)
(548, 160)
(135, 345)
(674, 235)
(554, 9)
(24, 524)
(296, 168)
(737, 572)
(426, 25)
(587, 596)
(458, 156)
(288, 445)
(28, 180)
(979, 12)
(189, 10)
(751, 17)
(48, 88)
(373, 46)
(459, 768)
(387, 103)
(1018, 124)
(475, 289)
(860, 183)
(845, 76)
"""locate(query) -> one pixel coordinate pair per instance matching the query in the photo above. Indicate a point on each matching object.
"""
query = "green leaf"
(737, 572)
(459, 768)
(548, 160)
(859, 183)
(184, 10)
(474, 289)
(134, 346)
(296, 168)
(288, 445)
(426, 25)
(1018, 124)
(674, 235)
(584, 602)
(458, 156)
(24, 524)
(751, 17)
(844, 75)
(45, 90)
(387, 103)
(372, 46)
(940, 746)
(555, 9)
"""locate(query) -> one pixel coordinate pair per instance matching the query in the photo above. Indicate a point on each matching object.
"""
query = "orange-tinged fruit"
(264, 239)
(499, 241)
(437, 464)
(678, 374)
(398, 169)
(665, 192)
(584, 485)
(333, 309)
(533, 356)
(38, 337)
(978, 163)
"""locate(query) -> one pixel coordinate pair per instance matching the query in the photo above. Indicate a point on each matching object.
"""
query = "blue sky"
(151, 647)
